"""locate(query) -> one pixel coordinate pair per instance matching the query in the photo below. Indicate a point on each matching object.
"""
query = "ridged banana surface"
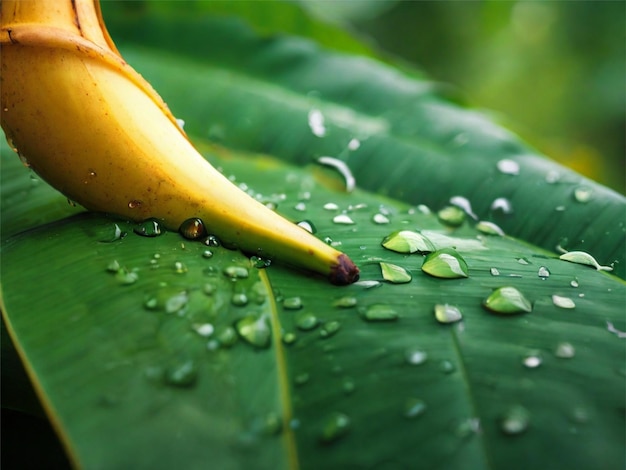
(94, 129)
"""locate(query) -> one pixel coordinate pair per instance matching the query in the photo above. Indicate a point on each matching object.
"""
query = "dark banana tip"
(344, 272)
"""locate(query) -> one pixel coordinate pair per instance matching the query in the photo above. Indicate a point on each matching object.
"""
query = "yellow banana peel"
(94, 129)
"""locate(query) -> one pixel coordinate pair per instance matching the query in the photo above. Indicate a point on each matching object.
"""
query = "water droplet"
(445, 313)
(611, 328)
(523, 261)
(149, 228)
(307, 322)
(260, 263)
(292, 303)
(407, 241)
(113, 266)
(207, 254)
(507, 300)
(336, 426)
(583, 194)
(308, 226)
(301, 378)
(451, 216)
(463, 204)
(227, 337)
(193, 229)
(416, 357)
(301, 207)
(543, 273)
(574, 283)
(354, 144)
(445, 263)
(345, 302)
(126, 277)
(212, 241)
(254, 330)
(204, 329)
(508, 167)
(342, 168)
(329, 329)
(494, 271)
(447, 367)
(316, 123)
(503, 205)
(563, 302)
(134, 204)
(467, 427)
(236, 272)
(489, 228)
(331, 206)
(580, 257)
(176, 303)
(552, 176)
(380, 219)
(414, 407)
(565, 350)
(239, 299)
(180, 268)
(379, 312)
(367, 284)
(532, 360)
(289, 338)
(394, 274)
(343, 219)
(515, 421)
(184, 374)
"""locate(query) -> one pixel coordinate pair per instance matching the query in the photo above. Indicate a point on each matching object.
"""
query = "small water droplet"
(212, 241)
(301, 379)
(414, 407)
(126, 277)
(308, 226)
(494, 271)
(378, 312)
(316, 123)
(367, 284)
(563, 302)
(301, 207)
(447, 367)
(463, 204)
(254, 330)
(394, 273)
(583, 194)
(134, 204)
(532, 360)
(289, 338)
(345, 302)
(292, 303)
(574, 283)
(445, 263)
(207, 254)
(508, 167)
(149, 228)
(445, 313)
(204, 329)
(543, 273)
(507, 300)
(611, 328)
(416, 356)
(331, 206)
(343, 219)
(380, 219)
(183, 374)
(260, 263)
(565, 350)
(176, 303)
(523, 261)
(407, 241)
(239, 299)
(515, 421)
(193, 229)
(236, 272)
(451, 216)
(329, 329)
(180, 268)
(335, 427)
(307, 322)
(552, 176)
(113, 266)
(354, 144)
(489, 228)
(342, 168)
(580, 257)
(227, 337)
(503, 205)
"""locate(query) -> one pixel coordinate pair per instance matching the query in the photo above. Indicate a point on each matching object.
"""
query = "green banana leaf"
(160, 352)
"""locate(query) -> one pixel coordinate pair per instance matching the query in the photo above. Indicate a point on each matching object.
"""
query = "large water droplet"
(451, 216)
(445, 263)
(515, 420)
(445, 313)
(307, 321)
(407, 241)
(507, 300)
(193, 229)
(543, 273)
(379, 312)
(414, 407)
(149, 228)
(394, 273)
(581, 257)
(254, 330)
(563, 302)
(335, 426)
(308, 226)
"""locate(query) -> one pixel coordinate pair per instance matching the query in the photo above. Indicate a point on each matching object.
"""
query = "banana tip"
(344, 272)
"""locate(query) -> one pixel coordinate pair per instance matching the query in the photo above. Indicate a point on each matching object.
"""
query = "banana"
(94, 129)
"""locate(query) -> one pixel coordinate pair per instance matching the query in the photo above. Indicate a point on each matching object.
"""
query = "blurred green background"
(554, 72)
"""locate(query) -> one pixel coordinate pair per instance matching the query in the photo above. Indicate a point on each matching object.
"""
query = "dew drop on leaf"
(289, 338)
(445, 313)
(565, 350)
(451, 216)
(348, 386)
(563, 302)
(414, 407)
(394, 273)
(583, 194)
(183, 374)
(149, 228)
(416, 356)
(207, 254)
(407, 241)
(543, 273)
(292, 303)
(254, 330)
(204, 329)
(345, 302)
(494, 271)
(343, 219)
(515, 420)
(581, 257)
(227, 337)
(239, 299)
(445, 263)
(176, 303)
(379, 312)
(307, 322)
(489, 228)
(236, 272)
(126, 277)
(463, 204)
(329, 329)
(335, 427)
(503, 205)
(380, 219)
(307, 225)
(331, 206)
(113, 266)
(532, 360)
(507, 300)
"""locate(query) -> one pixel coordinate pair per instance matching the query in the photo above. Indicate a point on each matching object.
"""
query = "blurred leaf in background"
(554, 71)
